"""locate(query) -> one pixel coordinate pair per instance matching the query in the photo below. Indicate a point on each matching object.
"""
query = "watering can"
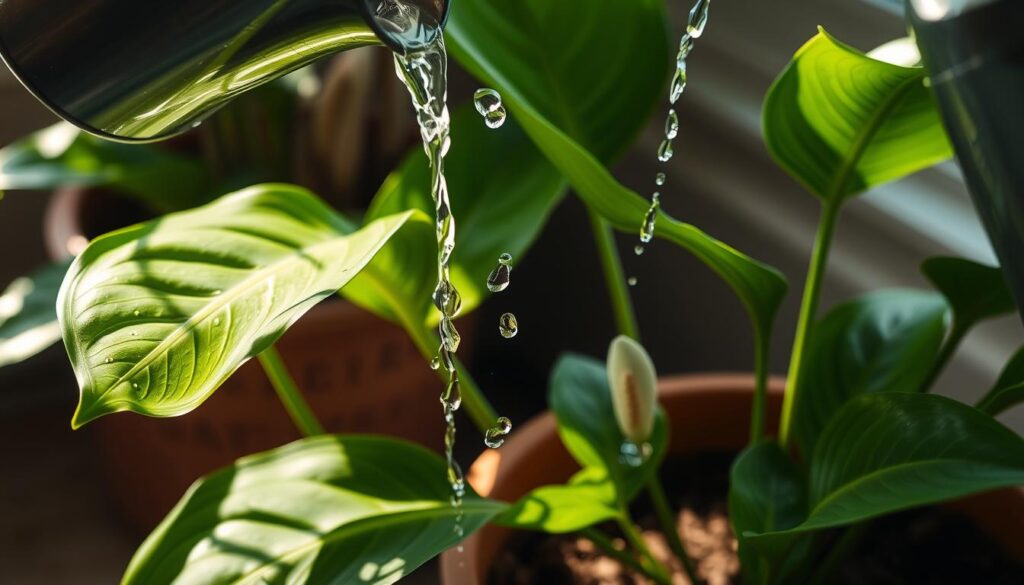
(141, 70)
(974, 53)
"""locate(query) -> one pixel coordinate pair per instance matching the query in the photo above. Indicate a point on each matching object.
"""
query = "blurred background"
(70, 501)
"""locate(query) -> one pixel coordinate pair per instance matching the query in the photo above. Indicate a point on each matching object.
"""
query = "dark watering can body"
(141, 70)
(974, 52)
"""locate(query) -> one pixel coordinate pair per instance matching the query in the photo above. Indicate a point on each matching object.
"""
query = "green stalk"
(297, 407)
(758, 409)
(608, 547)
(636, 540)
(808, 311)
(668, 526)
(956, 335)
(615, 280)
(839, 551)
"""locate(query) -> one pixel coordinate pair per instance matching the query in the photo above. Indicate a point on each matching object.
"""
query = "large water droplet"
(631, 281)
(678, 84)
(495, 436)
(698, 18)
(508, 325)
(638, 250)
(650, 218)
(450, 337)
(672, 125)
(499, 278)
(659, 179)
(447, 299)
(488, 104)
(665, 151)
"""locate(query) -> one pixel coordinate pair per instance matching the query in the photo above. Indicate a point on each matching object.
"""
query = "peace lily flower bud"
(634, 385)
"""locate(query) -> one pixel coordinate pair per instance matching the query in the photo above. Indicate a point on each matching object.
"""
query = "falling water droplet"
(698, 18)
(447, 299)
(450, 337)
(496, 119)
(631, 281)
(508, 326)
(488, 104)
(678, 84)
(659, 179)
(435, 364)
(495, 436)
(638, 250)
(505, 258)
(686, 43)
(671, 125)
(500, 278)
(665, 151)
(647, 230)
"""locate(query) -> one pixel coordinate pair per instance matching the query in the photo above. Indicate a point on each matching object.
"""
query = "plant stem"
(615, 280)
(849, 540)
(956, 335)
(808, 311)
(668, 526)
(759, 407)
(296, 405)
(605, 544)
(636, 540)
(479, 409)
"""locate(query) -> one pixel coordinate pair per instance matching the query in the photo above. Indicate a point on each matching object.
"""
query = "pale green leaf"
(588, 499)
(28, 314)
(156, 316)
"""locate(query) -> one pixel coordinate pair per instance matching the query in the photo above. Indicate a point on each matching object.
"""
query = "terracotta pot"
(708, 413)
(361, 374)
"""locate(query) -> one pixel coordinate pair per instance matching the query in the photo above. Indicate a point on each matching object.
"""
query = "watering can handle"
(143, 71)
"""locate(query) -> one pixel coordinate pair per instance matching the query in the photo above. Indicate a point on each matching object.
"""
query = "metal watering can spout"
(140, 71)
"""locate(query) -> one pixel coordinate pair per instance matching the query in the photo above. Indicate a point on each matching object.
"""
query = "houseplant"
(364, 509)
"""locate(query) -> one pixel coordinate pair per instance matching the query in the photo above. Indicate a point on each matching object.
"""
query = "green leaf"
(766, 493)
(841, 122)
(1008, 390)
(28, 318)
(577, 116)
(329, 509)
(582, 402)
(887, 452)
(63, 156)
(589, 498)
(502, 191)
(885, 341)
(156, 316)
(975, 292)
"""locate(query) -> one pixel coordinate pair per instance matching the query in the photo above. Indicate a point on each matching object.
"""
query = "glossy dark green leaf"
(560, 59)
(588, 499)
(1008, 391)
(578, 115)
(975, 291)
(62, 156)
(885, 341)
(766, 493)
(330, 509)
(502, 191)
(841, 122)
(582, 402)
(887, 452)
(156, 316)
(28, 314)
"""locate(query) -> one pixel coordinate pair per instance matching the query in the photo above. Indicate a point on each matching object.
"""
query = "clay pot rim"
(465, 568)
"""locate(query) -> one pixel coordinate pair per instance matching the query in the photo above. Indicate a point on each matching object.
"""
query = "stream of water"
(698, 20)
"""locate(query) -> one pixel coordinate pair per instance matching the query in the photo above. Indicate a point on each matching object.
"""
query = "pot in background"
(361, 374)
(708, 413)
